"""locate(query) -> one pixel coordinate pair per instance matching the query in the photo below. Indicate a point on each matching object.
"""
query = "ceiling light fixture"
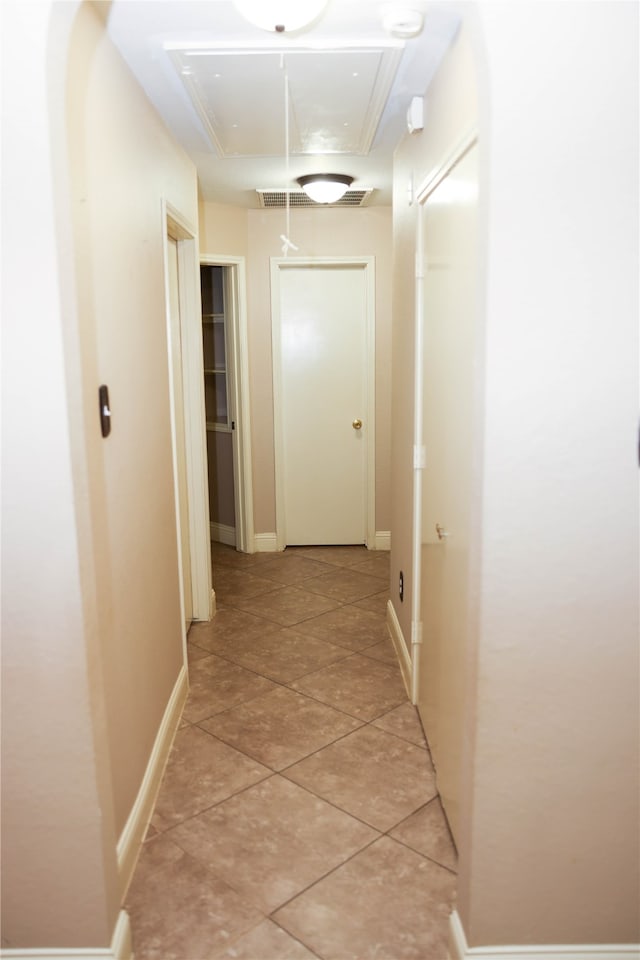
(325, 187)
(281, 16)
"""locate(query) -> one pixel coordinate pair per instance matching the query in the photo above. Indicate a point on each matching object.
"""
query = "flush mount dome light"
(325, 187)
(281, 16)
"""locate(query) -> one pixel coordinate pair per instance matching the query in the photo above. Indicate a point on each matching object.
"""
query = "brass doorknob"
(357, 424)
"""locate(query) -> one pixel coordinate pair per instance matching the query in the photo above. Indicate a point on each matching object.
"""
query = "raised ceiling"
(219, 84)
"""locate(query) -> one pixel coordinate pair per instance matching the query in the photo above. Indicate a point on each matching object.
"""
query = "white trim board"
(221, 533)
(402, 653)
(174, 224)
(268, 542)
(120, 949)
(135, 828)
(460, 950)
(265, 543)
(383, 540)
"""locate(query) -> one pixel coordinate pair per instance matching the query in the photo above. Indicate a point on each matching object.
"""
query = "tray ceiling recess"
(336, 97)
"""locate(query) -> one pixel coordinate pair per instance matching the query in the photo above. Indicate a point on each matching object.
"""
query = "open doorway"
(225, 373)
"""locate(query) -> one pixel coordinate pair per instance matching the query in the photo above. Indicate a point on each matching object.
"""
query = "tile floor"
(298, 816)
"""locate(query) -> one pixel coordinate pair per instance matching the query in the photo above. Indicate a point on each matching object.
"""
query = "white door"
(178, 409)
(321, 392)
(450, 304)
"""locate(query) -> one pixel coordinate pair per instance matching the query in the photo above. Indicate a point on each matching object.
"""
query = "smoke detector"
(402, 22)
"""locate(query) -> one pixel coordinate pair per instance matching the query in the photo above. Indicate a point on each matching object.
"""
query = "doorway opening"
(225, 371)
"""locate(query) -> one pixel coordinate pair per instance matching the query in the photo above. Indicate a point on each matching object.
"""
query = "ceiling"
(220, 85)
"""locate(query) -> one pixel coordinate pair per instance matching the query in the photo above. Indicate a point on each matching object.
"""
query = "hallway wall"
(549, 838)
(122, 164)
(92, 632)
(255, 234)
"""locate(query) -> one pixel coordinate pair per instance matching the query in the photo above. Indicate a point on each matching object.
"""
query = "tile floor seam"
(425, 856)
(279, 622)
(286, 684)
(343, 736)
(264, 763)
(363, 723)
(318, 880)
(217, 803)
(339, 709)
(265, 676)
(297, 939)
(336, 806)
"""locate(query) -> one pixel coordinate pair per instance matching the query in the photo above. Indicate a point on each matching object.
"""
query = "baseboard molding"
(402, 653)
(136, 826)
(265, 543)
(221, 533)
(121, 947)
(383, 540)
(460, 950)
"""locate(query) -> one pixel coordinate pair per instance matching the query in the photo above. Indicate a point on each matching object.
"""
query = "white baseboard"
(212, 605)
(383, 540)
(136, 826)
(223, 534)
(397, 637)
(265, 543)
(120, 949)
(460, 950)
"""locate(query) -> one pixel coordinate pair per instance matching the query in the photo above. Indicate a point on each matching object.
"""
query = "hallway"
(298, 816)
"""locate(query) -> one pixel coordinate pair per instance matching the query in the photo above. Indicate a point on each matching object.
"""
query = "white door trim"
(174, 224)
(291, 263)
(242, 465)
(434, 178)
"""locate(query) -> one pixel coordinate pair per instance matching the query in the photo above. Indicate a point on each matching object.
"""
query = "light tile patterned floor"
(298, 816)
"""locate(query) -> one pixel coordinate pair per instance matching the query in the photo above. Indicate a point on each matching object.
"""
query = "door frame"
(174, 224)
(433, 179)
(241, 436)
(278, 264)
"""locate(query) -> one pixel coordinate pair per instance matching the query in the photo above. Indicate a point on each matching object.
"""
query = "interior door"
(323, 403)
(178, 403)
(450, 295)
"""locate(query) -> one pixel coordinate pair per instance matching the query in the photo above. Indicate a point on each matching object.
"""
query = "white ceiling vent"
(298, 198)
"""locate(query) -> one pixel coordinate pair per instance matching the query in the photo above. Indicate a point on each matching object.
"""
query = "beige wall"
(255, 234)
(223, 230)
(557, 695)
(92, 634)
(116, 197)
(549, 837)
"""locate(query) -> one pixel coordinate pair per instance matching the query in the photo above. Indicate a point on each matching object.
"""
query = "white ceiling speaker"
(325, 187)
(281, 16)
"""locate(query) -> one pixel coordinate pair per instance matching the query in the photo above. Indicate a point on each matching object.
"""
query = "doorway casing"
(178, 227)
